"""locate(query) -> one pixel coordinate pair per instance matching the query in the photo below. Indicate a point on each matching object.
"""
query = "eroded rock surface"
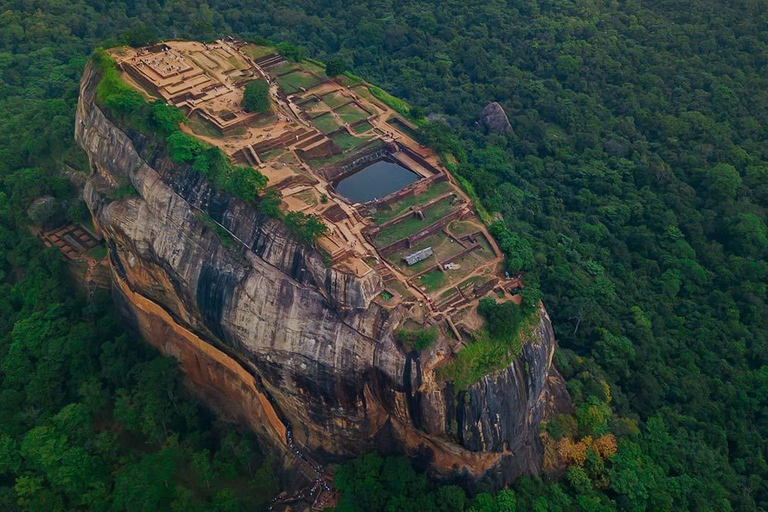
(269, 336)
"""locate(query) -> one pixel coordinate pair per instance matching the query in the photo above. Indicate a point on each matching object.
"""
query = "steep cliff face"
(270, 336)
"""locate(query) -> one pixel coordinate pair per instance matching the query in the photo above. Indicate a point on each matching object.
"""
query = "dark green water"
(375, 181)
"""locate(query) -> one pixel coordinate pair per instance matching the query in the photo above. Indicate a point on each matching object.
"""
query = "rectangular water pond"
(375, 181)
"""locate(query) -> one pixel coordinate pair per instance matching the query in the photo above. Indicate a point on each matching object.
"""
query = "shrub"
(561, 425)
(166, 118)
(290, 52)
(124, 191)
(183, 148)
(417, 340)
(307, 228)
(244, 182)
(124, 103)
(270, 203)
(224, 236)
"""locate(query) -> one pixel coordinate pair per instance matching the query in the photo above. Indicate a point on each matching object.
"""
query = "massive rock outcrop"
(269, 336)
(495, 119)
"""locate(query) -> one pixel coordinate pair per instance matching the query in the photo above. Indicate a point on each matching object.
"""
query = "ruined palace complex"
(333, 148)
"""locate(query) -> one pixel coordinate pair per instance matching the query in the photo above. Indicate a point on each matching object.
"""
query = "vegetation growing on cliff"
(418, 339)
(506, 326)
(636, 174)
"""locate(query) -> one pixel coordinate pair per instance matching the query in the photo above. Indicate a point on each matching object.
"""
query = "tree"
(615, 354)
(417, 112)
(290, 52)
(245, 183)
(183, 148)
(147, 484)
(450, 498)
(166, 118)
(335, 67)
(10, 459)
(139, 36)
(502, 318)
(256, 96)
(722, 181)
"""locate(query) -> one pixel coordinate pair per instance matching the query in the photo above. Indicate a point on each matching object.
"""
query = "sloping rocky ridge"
(269, 336)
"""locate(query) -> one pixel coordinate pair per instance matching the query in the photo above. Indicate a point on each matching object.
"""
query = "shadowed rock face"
(269, 336)
(495, 119)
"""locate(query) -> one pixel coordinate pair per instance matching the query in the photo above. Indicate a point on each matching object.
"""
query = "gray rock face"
(495, 119)
(268, 335)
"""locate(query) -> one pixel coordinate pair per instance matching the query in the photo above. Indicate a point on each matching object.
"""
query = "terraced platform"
(320, 131)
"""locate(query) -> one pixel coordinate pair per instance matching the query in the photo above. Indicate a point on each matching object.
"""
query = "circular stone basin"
(375, 181)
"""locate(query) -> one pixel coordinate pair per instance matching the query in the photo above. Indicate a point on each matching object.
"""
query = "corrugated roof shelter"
(418, 256)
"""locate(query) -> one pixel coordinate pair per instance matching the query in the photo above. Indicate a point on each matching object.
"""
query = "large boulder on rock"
(495, 119)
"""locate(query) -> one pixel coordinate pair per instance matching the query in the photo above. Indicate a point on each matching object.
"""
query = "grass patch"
(297, 80)
(352, 78)
(363, 127)
(461, 228)
(317, 163)
(314, 66)
(402, 127)
(314, 106)
(256, 51)
(470, 191)
(272, 153)
(238, 131)
(261, 121)
(433, 280)
(396, 104)
(335, 99)
(200, 126)
(237, 62)
(326, 123)
(351, 113)
(400, 207)
(471, 282)
(307, 196)
(97, 253)
(347, 142)
(285, 67)
(411, 226)
(416, 267)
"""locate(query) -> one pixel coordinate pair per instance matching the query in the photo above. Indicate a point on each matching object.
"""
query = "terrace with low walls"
(327, 137)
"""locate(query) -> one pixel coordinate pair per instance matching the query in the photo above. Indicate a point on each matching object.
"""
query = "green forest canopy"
(635, 187)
